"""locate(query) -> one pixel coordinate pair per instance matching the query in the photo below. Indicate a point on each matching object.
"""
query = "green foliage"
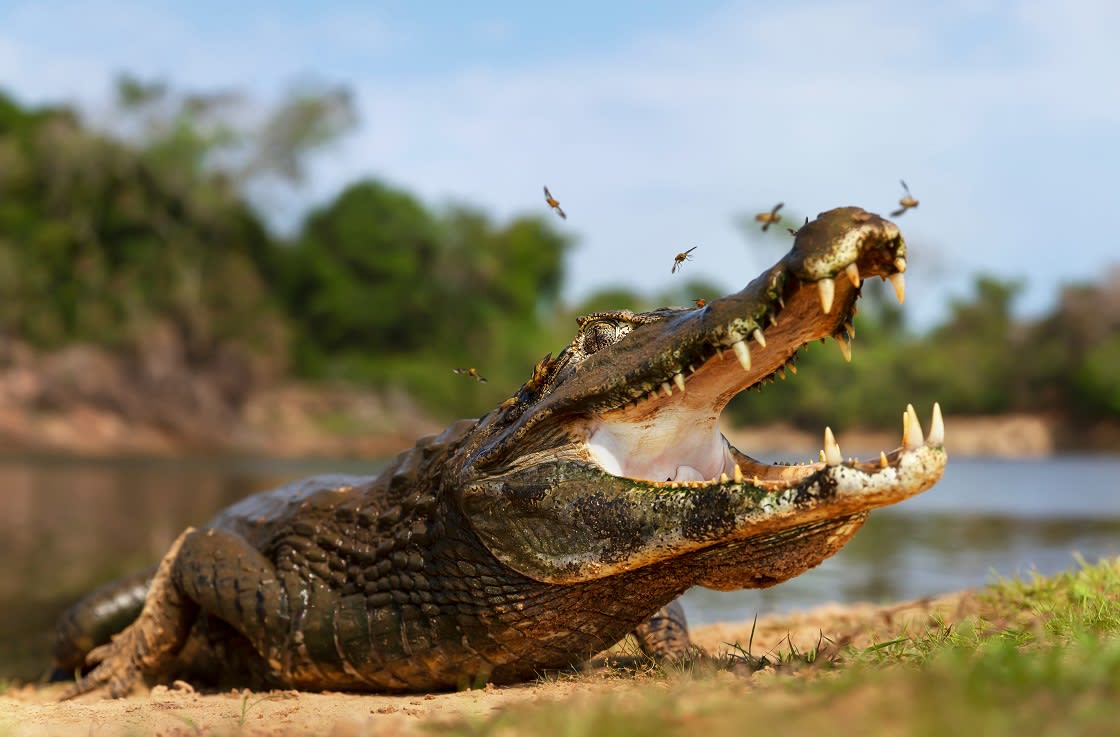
(382, 290)
(97, 242)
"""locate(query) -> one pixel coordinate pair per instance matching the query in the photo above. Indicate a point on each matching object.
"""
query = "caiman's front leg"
(150, 642)
(215, 571)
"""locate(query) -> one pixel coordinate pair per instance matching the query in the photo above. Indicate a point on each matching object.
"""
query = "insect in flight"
(554, 203)
(471, 372)
(681, 257)
(700, 302)
(769, 218)
(907, 202)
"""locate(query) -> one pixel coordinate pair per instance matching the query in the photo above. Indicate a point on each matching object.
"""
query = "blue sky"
(656, 123)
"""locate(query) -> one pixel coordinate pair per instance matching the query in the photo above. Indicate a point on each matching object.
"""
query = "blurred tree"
(384, 291)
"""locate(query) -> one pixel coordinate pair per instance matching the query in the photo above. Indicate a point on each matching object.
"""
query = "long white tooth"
(666, 388)
(883, 460)
(853, 274)
(845, 348)
(759, 337)
(742, 353)
(738, 474)
(937, 426)
(831, 449)
(678, 379)
(900, 264)
(827, 289)
(898, 281)
(913, 437)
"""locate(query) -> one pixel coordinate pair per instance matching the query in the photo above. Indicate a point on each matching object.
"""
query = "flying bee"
(681, 257)
(471, 372)
(769, 218)
(907, 202)
(554, 203)
(700, 302)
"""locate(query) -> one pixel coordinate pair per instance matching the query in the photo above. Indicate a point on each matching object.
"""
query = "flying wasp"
(907, 202)
(471, 372)
(769, 218)
(681, 257)
(700, 302)
(554, 203)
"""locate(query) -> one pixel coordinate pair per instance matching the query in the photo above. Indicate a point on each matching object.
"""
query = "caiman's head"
(610, 457)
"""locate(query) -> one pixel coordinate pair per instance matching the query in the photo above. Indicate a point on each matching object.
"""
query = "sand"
(31, 711)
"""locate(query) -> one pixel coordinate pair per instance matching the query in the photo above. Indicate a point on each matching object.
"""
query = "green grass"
(1037, 657)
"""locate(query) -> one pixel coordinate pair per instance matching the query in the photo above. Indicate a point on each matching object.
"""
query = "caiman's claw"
(145, 648)
(115, 671)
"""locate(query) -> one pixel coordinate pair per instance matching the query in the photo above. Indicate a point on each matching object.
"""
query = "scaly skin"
(536, 536)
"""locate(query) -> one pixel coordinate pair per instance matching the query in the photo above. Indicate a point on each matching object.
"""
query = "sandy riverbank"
(33, 712)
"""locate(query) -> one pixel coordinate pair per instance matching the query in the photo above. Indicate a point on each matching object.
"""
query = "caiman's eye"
(599, 335)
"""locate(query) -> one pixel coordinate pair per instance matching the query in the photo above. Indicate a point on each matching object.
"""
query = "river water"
(67, 526)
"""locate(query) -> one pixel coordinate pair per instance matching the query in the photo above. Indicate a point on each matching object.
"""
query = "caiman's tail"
(95, 619)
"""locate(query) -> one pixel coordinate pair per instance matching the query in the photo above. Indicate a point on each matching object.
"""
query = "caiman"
(573, 514)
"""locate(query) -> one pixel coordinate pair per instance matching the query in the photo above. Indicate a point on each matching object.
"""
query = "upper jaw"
(670, 432)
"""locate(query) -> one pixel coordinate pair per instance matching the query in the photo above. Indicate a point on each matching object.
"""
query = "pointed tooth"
(900, 264)
(738, 474)
(906, 428)
(782, 373)
(898, 281)
(678, 379)
(827, 288)
(666, 388)
(850, 328)
(853, 274)
(821, 456)
(915, 434)
(845, 348)
(831, 449)
(883, 460)
(742, 353)
(759, 337)
(723, 478)
(755, 481)
(937, 426)
(792, 368)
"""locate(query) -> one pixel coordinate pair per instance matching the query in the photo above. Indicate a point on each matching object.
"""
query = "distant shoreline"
(85, 402)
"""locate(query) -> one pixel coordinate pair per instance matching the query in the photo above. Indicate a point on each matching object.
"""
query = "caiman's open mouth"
(670, 435)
